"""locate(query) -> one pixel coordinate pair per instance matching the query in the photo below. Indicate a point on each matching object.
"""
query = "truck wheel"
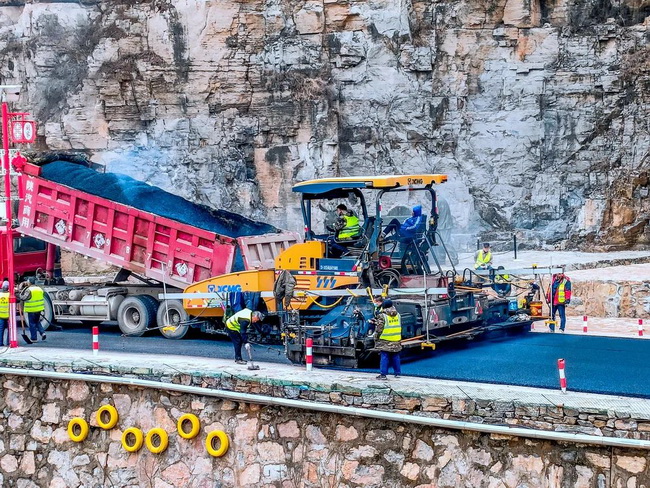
(136, 315)
(47, 316)
(172, 319)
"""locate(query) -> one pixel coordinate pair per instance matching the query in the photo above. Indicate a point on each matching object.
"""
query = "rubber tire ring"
(113, 417)
(139, 439)
(83, 425)
(196, 426)
(164, 440)
(224, 443)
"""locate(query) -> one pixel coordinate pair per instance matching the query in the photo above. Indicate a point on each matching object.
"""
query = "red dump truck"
(30, 254)
(154, 253)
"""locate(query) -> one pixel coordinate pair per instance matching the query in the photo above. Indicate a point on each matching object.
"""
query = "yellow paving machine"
(323, 287)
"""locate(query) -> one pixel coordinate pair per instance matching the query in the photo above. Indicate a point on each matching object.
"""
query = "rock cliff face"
(537, 109)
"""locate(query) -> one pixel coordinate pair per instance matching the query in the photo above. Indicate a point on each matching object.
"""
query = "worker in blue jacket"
(404, 231)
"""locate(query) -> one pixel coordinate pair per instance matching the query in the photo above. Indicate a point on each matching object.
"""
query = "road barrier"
(560, 367)
(95, 340)
(309, 356)
(346, 411)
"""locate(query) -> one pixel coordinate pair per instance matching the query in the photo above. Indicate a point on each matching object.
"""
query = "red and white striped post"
(584, 324)
(560, 367)
(640, 327)
(309, 356)
(95, 340)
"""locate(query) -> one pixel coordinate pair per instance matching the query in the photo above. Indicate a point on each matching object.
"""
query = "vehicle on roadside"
(312, 294)
(159, 241)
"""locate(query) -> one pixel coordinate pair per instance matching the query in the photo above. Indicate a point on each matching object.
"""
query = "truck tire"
(172, 313)
(136, 315)
(47, 316)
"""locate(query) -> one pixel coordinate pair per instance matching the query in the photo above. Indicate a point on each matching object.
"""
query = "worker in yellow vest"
(33, 302)
(483, 257)
(4, 311)
(389, 336)
(346, 228)
(558, 297)
(236, 327)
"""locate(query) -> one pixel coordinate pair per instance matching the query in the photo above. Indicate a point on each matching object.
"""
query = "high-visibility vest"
(392, 328)
(233, 322)
(352, 227)
(4, 305)
(561, 295)
(482, 258)
(37, 301)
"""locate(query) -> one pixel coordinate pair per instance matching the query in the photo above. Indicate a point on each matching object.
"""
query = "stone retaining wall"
(611, 298)
(277, 446)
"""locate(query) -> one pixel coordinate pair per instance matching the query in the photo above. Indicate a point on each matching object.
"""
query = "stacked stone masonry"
(282, 447)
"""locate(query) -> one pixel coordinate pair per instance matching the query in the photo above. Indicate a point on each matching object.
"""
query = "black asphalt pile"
(126, 190)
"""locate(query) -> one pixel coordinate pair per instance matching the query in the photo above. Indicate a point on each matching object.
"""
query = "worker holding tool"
(558, 297)
(483, 257)
(33, 299)
(377, 301)
(346, 227)
(236, 327)
(389, 332)
(395, 230)
(4, 311)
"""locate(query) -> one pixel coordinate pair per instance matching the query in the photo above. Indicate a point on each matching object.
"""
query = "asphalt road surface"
(593, 364)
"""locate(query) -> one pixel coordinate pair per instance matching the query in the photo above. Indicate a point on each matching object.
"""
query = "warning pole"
(584, 324)
(95, 340)
(310, 358)
(640, 327)
(560, 367)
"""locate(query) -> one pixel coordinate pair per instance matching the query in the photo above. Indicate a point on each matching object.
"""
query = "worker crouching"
(236, 327)
(389, 336)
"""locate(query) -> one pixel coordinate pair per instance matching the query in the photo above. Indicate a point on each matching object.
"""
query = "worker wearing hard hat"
(389, 336)
(236, 327)
(559, 296)
(33, 299)
(483, 257)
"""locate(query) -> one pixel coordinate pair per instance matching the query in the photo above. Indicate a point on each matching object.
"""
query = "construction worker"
(389, 333)
(4, 311)
(502, 283)
(33, 301)
(377, 301)
(236, 327)
(559, 296)
(483, 257)
(346, 228)
(395, 230)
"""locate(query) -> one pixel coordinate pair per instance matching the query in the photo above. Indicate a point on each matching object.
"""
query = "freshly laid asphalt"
(604, 365)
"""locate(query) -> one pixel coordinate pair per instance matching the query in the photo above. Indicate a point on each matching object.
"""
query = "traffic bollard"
(560, 367)
(310, 358)
(95, 340)
(640, 327)
(584, 324)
